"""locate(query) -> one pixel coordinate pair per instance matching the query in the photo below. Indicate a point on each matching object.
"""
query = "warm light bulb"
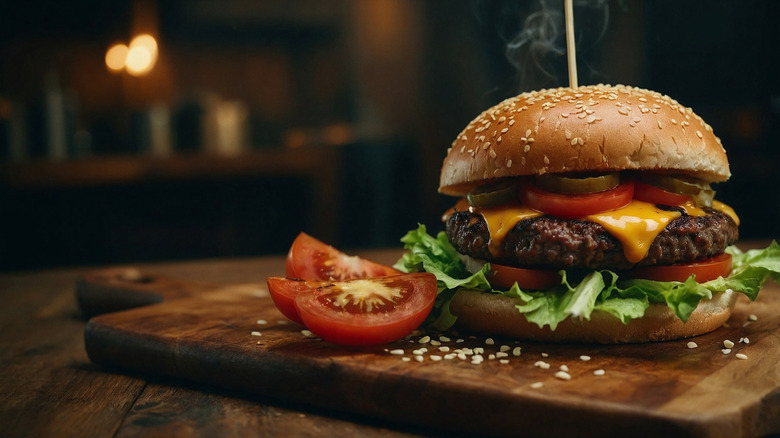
(147, 41)
(139, 61)
(116, 56)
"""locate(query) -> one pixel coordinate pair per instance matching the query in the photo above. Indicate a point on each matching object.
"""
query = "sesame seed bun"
(496, 315)
(597, 128)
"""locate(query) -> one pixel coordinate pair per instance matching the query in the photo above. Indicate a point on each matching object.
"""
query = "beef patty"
(549, 242)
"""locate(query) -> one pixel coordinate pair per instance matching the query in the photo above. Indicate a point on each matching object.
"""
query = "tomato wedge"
(360, 312)
(656, 195)
(704, 270)
(311, 259)
(283, 292)
(536, 279)
(576, 206)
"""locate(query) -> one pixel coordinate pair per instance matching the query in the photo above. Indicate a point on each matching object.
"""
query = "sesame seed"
(501, 354)
(699, 134)
(728, 344)
(461, 356)
(542, 364)
(528, 133)
(504, 131)
(753, 317)
(511, 122)
(486, 145)
(537, 385)
(726, 350)
(257, 334)
(584, 358)
(307, 333)
(509, 163)
(435, 358)
(419, 358)
(424, 340)
(406, 359)
(564, 368)
(563, 375)
(397, 352)
(491, 356)
(417, 352)
(516, 351)
(492, 153)
(567, 133)
(590, 119)
(504, 348)
(503, 361)
(674, 121)
(545, 355)
(741, 356)
(659, 125)
(746, 340)
(444, 349)
(623, 111)
(459, 341)
(450, 356)
(444, 339)
(692, 344)
(599, 372)
(262, 322)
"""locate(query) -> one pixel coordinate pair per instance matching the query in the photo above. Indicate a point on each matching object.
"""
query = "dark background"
(400, 78)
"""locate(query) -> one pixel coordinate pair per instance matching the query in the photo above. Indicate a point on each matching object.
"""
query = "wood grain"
(655, 389)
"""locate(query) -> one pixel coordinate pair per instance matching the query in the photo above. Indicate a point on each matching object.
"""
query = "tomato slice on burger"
(656, 195)
(704, 270)
(311, 259)
(361, 311)
(537, 279)
(567, 206)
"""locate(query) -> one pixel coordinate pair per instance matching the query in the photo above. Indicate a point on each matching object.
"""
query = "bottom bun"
(496, 315)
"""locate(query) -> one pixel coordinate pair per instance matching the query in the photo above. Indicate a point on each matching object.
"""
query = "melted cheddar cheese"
(636, 226)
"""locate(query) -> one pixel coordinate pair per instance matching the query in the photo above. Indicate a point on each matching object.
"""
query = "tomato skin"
(283, 292)
(704, 270)
(316, 305)
(311, 259)
(576, 206)
(536, 279)
(656, 195)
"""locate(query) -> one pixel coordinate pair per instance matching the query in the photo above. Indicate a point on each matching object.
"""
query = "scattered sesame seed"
(424, 340)
(419, 358)
(397, 352)
(564, 368)
(746, 340)
(257, 334)
(753, 317)
(406, 359)
(699, 134)
(444, 349)
(692, 344)
(728, 344)
(435, 343)
(458, 341)
(526, 148)
(417, 352)
(741, 356)
(262, 322)
(542, 364)
(537, 385)
(489, 341)
(503, 361)
(501, 354)
(435, 357)
(528, 133)
(307, 333)
(584, 358)
(461, 356)
(504, 348)
(599, 372)
(726, 350)
(563, 375)
(450, 356)
(545, 355)
(517, 351)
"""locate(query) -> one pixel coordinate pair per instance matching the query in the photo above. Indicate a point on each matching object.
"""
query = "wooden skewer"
(571, 51)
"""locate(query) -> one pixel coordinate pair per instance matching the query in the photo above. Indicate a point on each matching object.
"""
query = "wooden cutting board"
(234, 338)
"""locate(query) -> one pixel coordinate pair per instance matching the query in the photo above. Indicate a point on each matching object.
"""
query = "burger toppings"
(575, 185)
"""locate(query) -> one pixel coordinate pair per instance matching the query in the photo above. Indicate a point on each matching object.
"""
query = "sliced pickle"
(493, 194)
(700, 191)
(574, 185)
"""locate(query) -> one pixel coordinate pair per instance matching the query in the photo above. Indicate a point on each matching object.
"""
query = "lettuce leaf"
(599, 290)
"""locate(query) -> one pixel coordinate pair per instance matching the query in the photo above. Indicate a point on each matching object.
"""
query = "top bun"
(598, 128)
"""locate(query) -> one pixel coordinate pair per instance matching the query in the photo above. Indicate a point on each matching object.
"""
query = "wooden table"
(50, 388)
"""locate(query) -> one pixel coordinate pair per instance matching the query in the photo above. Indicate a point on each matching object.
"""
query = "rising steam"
(537, 51)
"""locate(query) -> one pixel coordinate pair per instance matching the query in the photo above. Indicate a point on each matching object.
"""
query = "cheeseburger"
(586, 215)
